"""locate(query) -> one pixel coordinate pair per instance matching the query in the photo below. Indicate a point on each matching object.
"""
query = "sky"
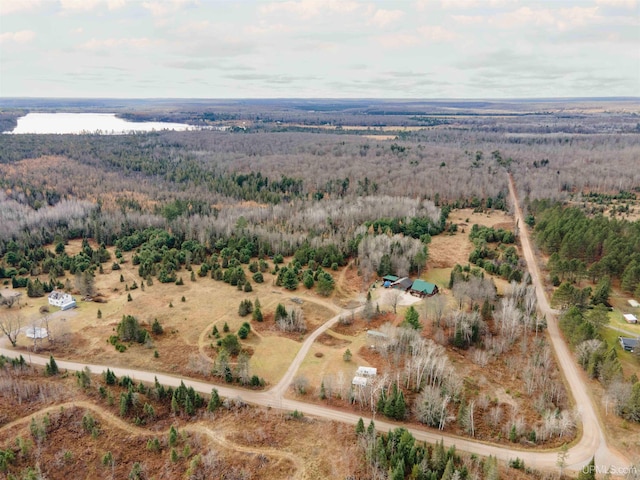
(319, 48)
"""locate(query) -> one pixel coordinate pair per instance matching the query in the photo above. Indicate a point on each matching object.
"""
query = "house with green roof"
(420, 288)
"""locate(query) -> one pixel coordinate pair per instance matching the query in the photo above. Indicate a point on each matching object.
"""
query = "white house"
(634, 303)
(62, 300)
(630, 318)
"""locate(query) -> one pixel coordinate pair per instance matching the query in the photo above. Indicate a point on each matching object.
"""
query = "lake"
(103, 123)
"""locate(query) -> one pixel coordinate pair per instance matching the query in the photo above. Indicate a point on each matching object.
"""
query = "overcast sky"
(320, 48)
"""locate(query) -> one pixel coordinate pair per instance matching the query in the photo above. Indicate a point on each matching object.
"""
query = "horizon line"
(381, 99)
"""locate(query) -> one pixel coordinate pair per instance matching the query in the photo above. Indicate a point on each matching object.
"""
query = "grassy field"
(629, 363)
(187, 313)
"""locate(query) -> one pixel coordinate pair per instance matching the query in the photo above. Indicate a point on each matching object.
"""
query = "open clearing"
(185, 347)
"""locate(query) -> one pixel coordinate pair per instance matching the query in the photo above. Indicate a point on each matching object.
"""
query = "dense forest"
(288, 185)
(589, 247)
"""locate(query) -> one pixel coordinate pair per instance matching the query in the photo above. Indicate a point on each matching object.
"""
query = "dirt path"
(219, 438)
(593, 441)
(215, 436)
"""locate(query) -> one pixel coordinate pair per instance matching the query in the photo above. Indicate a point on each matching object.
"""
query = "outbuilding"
(366, 372)
(387, 280)
(359, 381)
(628, 344)
(403, 283)
(630, 318)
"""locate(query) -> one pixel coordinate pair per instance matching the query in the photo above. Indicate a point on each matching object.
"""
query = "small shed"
(403, 283)
(36, 333)
(634, 303)
(359, 381)
(420, 288)
(630, 318)
(366, 372)
(387, 280)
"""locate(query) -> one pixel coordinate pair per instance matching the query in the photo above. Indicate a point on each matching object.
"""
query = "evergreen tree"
(347, 355)
(214, 401)
(51, 368)
(110, 377)
(156, 328)
(281, 312)
(588, 472)
(400, 406)
(173, 436)
(257, 312)
(360, 427)
(412, 318)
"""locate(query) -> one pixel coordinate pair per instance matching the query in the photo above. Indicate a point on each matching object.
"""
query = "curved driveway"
(592, 441)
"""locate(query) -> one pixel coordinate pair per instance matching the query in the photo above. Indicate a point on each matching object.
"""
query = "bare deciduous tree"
(10, 325)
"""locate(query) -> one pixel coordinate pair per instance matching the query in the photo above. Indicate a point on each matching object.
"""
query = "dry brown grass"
(257, 441)
(187, 324)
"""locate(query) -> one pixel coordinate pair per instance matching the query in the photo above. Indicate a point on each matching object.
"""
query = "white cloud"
(561, 19)
(79, 5)
(267, 29)
(469, 19)
(382, 18)
(163, 8)
(16, 6)
(22, 36)
(465, 4)
(110, 43)
(630, 4)
(436, 33)
(398, 40)
(116, 4)
(310, 8)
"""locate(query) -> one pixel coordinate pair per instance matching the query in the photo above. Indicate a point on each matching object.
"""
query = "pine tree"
(448, 470)
(371, 429)
(400, 406)
(124, 404)
(173, 436)
(110, 377)
(51, 368)
(589, 471)
(175, 406)
(214, 401)
(412, 318)
(188, 406)
(360, 427)
(156, 328)
(513, 434)
(257, 312)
